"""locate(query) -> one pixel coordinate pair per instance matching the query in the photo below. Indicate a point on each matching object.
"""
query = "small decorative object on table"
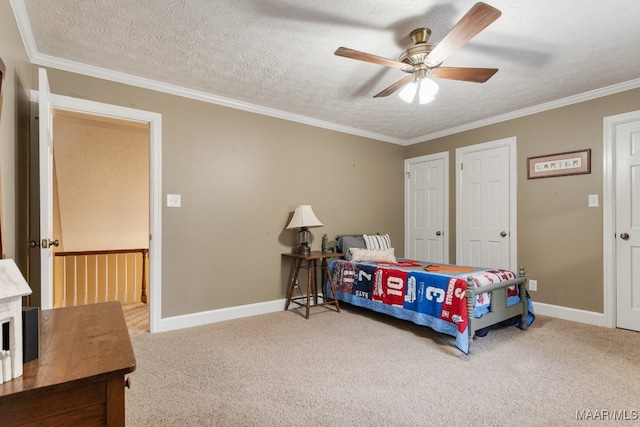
(12, 288)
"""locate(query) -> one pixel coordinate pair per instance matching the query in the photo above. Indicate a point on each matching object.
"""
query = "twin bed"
(455, 300)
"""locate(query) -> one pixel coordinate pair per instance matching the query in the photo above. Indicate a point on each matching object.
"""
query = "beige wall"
(559, 237)
(240, 176)
(102, 176)
(13, 136)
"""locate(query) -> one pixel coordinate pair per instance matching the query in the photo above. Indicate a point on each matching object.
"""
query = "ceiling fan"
(425, 59)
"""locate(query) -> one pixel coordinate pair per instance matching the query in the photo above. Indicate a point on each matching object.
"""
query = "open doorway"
(100, 210)
(154, 239)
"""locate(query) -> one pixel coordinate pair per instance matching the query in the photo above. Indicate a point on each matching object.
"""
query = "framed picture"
(561, 164)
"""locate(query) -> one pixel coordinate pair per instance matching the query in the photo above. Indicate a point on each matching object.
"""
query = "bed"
(460, 301)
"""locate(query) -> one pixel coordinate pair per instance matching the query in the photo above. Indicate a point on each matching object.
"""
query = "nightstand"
(310, 263)
(79, 375)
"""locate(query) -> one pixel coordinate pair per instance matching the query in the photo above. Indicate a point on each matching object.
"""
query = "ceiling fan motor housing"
(417, 54)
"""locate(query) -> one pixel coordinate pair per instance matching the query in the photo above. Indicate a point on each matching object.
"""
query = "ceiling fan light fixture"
(425, 88)
(408, 93)
(428, 90)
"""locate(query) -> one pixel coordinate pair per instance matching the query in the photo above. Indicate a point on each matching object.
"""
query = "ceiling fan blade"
(367, 57)
(394, 87)
(477, 19)
(476, 75)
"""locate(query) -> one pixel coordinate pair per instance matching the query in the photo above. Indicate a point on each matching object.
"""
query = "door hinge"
(461, 166)
(408, 175)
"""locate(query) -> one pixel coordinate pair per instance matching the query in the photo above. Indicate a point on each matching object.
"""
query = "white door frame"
(429, 157)
(45, 167)
(154, 120)
(510, 142)
(609, 214)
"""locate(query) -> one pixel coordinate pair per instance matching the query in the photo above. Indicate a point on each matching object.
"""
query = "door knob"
(438, 233)
(503, 234)
(624, 236)
(33, 244)
(46, 243)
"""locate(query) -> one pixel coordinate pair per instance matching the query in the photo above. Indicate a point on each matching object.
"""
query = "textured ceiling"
(276, 56)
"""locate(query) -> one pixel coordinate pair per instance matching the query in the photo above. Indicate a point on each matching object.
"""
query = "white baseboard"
(213, 316)
(229, 313)
(567, 313)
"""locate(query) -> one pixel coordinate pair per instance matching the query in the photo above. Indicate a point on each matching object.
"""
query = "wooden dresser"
(78, 379)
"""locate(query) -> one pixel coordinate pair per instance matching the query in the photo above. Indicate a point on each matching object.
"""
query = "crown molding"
(118, 77)
(24, 27)
(36, 58)
(575, 99)
(115, 76)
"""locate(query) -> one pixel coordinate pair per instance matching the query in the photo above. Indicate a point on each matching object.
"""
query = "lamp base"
(303, 250)
(303, 238)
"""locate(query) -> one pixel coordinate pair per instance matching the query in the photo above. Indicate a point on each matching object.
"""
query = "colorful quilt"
(423, 293)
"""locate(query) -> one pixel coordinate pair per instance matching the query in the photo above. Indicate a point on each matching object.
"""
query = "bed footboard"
(498, 310)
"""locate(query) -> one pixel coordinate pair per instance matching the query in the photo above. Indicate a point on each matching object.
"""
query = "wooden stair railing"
(100, 282)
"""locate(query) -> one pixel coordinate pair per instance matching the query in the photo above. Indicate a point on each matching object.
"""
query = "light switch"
(173, 200)
(593, 201)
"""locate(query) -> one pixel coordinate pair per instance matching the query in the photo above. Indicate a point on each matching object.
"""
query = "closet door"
(627, 173)
(485, 208)
(426, 208)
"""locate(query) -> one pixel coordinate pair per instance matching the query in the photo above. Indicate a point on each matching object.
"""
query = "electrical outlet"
(173, 200)
(533, 285)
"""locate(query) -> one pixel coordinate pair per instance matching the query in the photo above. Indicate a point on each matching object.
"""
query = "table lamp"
(304, 218)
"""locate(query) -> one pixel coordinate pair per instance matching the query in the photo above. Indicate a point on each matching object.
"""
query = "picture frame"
(560, 164)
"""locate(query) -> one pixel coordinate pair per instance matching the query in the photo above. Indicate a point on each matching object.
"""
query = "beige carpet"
(359, 368)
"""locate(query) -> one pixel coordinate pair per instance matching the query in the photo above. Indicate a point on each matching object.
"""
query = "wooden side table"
(310, 262)
(78, 378)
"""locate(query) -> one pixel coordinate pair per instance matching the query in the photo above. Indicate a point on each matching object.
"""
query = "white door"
(47, 104)
(485, 212)
(46, 189)
(426, 208)
(627, 193)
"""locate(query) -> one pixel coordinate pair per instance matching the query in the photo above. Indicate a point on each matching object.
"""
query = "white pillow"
(376, 242)
(367, 255)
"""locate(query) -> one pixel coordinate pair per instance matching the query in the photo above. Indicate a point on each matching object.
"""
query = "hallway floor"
(137, 318)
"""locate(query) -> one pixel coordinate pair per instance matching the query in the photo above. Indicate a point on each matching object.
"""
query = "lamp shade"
(428, 90)
(408, 92)
(425, 88)
(304, 217)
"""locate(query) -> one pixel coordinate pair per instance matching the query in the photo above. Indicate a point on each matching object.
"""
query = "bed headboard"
(332, 245)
